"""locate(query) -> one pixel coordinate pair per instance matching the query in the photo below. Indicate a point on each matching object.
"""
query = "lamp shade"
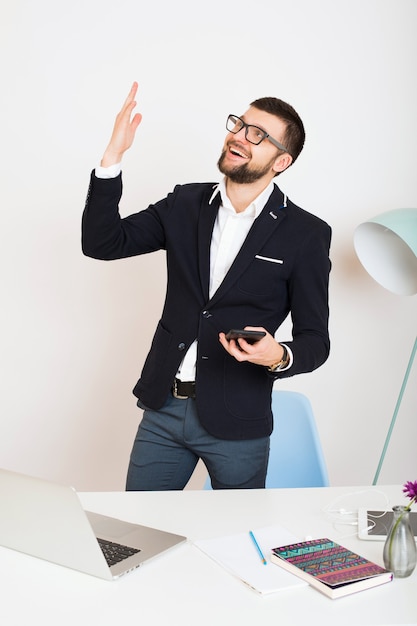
(386, 246)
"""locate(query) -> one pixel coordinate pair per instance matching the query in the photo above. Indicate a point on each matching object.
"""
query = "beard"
(243, 174)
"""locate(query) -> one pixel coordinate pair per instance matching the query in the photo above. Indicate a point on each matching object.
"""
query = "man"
(240, 254)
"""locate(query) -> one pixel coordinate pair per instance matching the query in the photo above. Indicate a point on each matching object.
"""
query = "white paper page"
(239, 556)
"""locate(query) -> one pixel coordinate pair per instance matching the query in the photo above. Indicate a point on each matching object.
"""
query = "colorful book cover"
(328, 562)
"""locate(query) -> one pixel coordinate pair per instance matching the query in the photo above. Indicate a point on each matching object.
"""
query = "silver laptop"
(47, 520)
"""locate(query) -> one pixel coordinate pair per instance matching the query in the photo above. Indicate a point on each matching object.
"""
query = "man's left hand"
(266, 351)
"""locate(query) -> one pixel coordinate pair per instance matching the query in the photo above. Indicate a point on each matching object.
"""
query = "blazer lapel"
(207, 218)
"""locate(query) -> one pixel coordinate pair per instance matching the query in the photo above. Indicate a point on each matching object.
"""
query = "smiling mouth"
(238, 152)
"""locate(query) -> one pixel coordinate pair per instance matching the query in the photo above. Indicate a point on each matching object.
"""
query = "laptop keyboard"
(115, 552)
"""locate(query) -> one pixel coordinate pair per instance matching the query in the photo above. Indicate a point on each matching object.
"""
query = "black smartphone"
(251, 336)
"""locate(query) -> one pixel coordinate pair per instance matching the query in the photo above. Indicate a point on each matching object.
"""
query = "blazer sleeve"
(308, 288)
(107, 236)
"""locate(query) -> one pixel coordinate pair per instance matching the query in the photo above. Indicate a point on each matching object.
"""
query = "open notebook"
(237, 554)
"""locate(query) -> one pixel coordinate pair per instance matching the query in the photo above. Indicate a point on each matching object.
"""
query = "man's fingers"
(132, 93)
(136, 120)
(130, 102)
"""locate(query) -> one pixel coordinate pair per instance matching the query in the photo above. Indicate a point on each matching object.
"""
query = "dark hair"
(294, 134)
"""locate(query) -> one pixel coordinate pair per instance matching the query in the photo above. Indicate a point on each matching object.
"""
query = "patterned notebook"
(331, 568)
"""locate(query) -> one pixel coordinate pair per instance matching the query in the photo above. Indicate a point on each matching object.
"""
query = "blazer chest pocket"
(263, 276)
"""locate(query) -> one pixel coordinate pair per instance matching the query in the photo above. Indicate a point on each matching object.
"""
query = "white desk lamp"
(386, 246)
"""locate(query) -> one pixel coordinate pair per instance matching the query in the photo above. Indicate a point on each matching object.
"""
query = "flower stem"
(397, 521)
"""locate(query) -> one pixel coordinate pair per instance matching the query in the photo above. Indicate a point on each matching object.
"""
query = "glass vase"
(400, 546)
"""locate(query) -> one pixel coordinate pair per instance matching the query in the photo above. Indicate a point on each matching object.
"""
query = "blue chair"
(296, 457)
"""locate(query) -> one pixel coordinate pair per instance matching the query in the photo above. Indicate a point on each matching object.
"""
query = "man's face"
(244, 162)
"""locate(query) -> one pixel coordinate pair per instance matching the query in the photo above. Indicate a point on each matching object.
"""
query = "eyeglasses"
(253, 134)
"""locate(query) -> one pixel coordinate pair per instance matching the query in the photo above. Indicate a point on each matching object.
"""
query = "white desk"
(185, 587)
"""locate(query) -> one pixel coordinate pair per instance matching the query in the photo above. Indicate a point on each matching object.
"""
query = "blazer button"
(206, 314)
(181, 346)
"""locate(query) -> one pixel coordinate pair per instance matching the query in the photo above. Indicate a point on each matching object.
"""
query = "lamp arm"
(397, 407)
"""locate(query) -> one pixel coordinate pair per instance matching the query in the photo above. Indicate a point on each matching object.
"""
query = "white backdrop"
(75, 331)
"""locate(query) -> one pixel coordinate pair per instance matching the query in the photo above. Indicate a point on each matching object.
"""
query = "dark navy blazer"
(282, 268)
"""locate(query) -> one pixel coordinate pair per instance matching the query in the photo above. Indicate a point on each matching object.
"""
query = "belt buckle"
(175, 391)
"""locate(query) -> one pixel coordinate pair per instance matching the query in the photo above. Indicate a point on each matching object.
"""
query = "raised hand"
(123, 131)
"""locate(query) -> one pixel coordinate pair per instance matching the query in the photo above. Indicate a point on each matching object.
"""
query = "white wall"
(75, 331)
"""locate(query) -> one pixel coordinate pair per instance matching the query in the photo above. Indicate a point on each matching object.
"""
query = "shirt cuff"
(108, 172)
(290, 355)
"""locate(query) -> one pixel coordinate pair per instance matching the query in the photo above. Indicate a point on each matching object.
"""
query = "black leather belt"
(183, 389)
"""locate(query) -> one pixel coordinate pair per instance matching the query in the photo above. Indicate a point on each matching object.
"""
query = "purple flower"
(410, 490)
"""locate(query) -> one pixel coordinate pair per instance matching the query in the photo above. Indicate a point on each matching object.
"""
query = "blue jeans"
(171, 440)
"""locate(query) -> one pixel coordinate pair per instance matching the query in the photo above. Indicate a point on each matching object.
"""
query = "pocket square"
(269, 259)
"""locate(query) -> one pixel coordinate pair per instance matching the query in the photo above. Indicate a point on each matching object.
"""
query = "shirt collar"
(257, 204)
